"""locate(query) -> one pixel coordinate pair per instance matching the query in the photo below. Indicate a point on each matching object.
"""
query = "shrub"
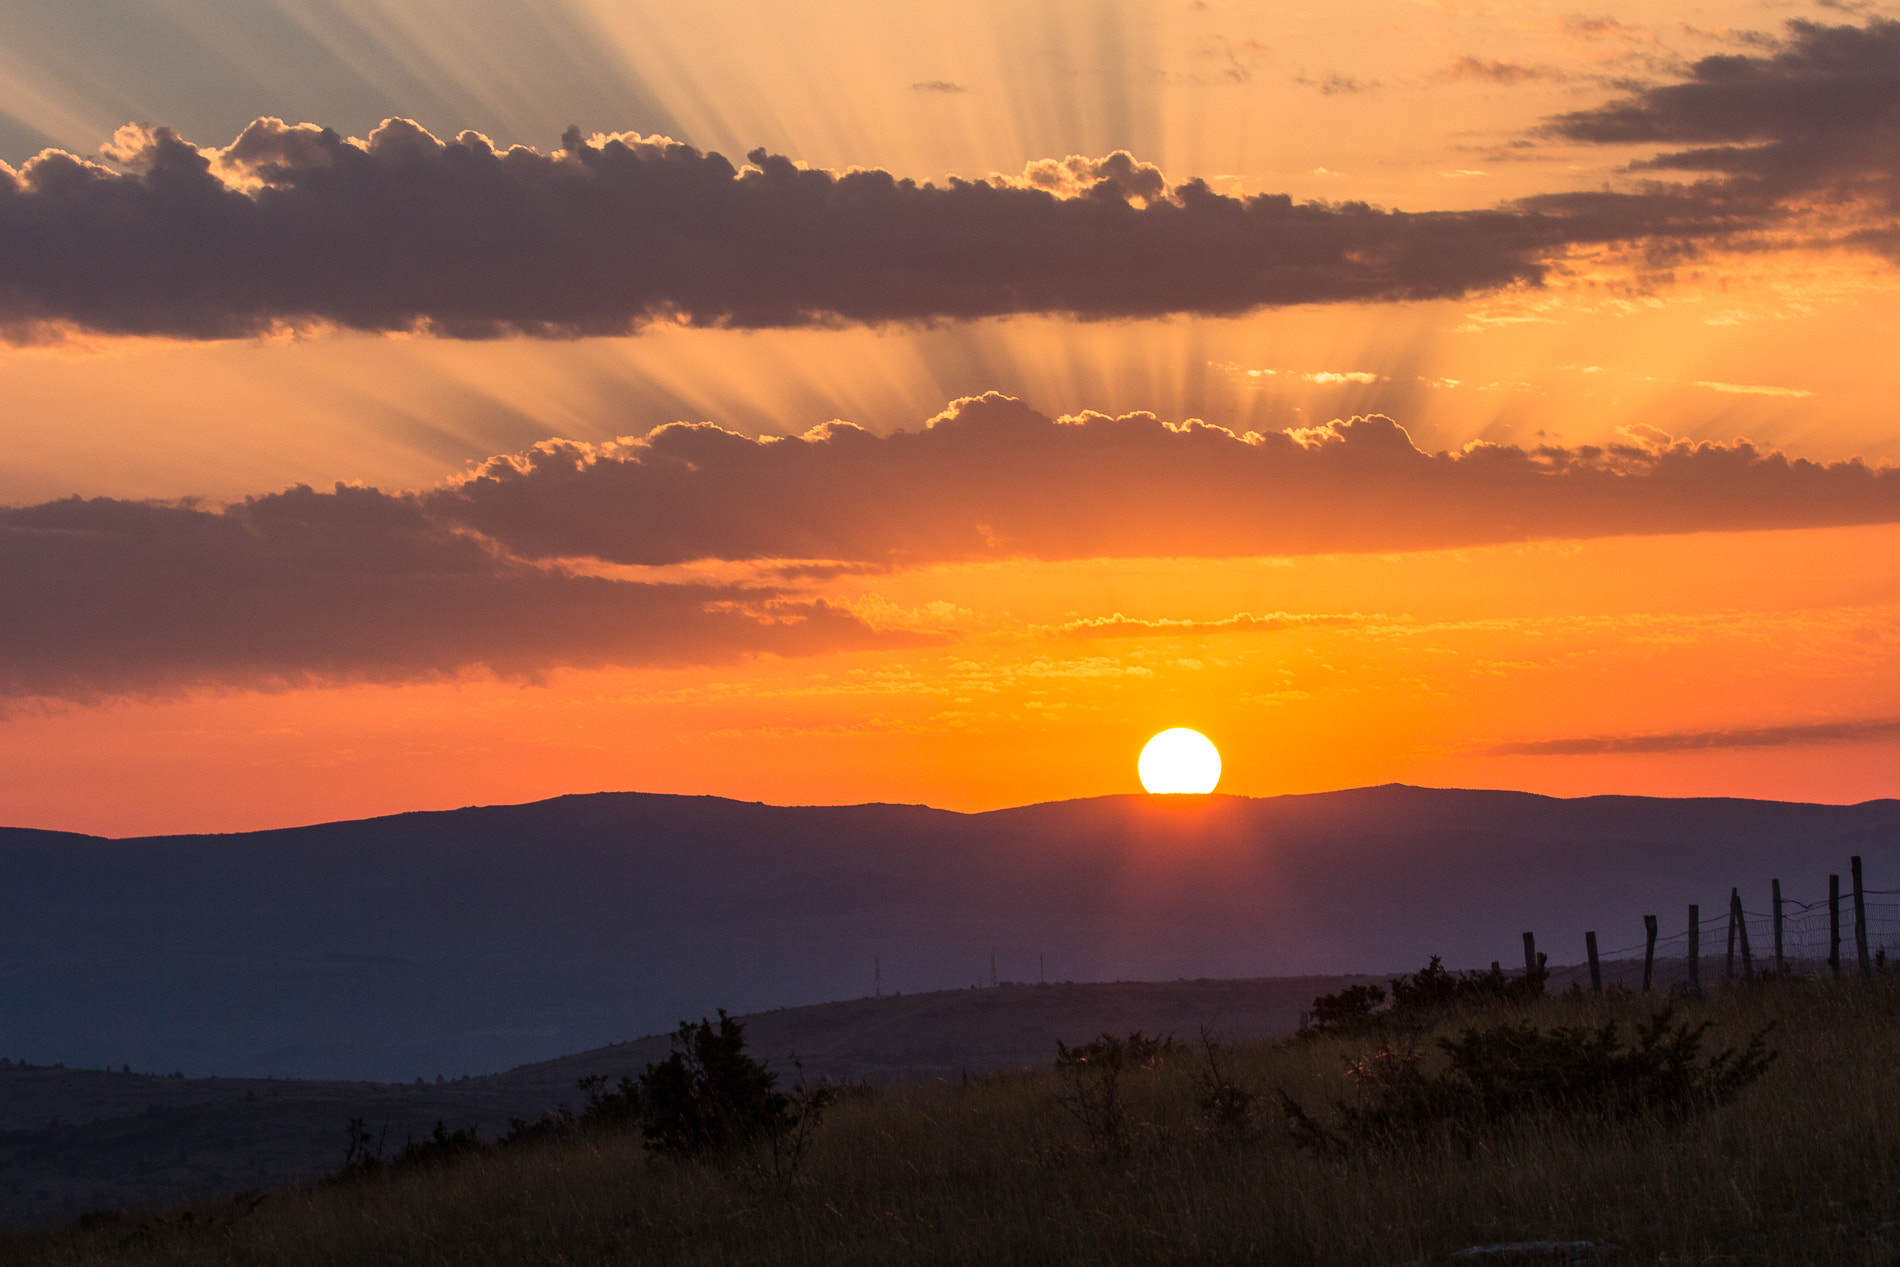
(619, 1109)
(710, 1099)
(707, 1099)
(1226, 1103)
(1435, 989)
(1418, 996)
(1091, 1083)
(360, 1161)
(1496, 1075)
(708, 1096)
(438, 1148)
(1352, 1005)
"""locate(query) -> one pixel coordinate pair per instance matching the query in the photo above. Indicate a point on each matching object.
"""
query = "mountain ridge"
(1107, 797)
(482, 937)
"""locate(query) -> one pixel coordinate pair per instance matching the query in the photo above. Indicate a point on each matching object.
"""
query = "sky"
(410, 404)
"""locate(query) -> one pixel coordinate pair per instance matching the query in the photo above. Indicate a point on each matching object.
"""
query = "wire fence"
(1816, 938)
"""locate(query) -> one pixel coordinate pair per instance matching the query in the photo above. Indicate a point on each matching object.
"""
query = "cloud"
(1816, 118)
(1495, 72)
(511, 568)
(1322, 377)
(296, 226)
(1874, 730)
(991, 478)
(1120, 626)
(938, 85)
(113, 597)
(1120, 175)
(1332, 83)
(1749, 389)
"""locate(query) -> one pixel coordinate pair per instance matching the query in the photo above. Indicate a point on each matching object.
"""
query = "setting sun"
(1180, 760)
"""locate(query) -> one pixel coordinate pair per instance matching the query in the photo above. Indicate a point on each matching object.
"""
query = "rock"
(1522, 1251)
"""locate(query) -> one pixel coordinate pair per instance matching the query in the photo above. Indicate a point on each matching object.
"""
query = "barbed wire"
(1816, 938)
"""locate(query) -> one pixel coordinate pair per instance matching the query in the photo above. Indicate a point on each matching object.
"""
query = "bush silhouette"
(1091, 1083)
(1433, 988)
(1419, 995)
(1351, 1005)
(440, 1147)
(709, 1098)
(1496, 1075)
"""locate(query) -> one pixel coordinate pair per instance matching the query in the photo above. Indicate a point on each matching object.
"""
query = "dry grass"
(1804, 1169)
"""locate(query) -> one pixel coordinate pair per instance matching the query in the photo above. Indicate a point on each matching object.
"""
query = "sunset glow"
(413, 406)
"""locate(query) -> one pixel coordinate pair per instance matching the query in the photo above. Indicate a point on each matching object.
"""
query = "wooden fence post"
(1834, 925)
(1734, 907)
(1530, 956)
(1596, 969)
(1741, 928)
(1649, 950)
(1860, 923)
(1781, 967)
(1695, 947)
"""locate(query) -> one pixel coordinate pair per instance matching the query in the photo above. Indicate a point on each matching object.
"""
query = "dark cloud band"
(1816, 121)
(991, 478)
(511, 568)
(298, 225)
(1878, 730)
(109, 597)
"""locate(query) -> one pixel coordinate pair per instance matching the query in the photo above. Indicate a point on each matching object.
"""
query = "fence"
(1848, 933)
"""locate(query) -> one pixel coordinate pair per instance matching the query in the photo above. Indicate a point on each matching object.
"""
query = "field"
(1803, 1168)
(79, 1140)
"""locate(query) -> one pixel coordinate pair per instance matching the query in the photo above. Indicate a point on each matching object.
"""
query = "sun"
(1180, 760)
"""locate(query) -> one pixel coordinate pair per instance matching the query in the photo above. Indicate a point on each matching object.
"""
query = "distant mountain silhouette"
(477, 939)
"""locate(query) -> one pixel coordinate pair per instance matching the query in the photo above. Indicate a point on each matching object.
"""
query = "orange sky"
(403, 652)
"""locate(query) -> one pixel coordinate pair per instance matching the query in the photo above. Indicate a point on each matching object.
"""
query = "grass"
(1803, 1168)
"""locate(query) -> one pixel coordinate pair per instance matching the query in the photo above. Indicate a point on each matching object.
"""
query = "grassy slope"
(73, 1140)
(1805, 1168)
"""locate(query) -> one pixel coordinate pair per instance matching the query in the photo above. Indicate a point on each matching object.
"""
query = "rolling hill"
(479, 939)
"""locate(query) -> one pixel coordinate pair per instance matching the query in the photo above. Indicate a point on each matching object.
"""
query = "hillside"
(1560, 1142)
(73, 1140)
(474, 940)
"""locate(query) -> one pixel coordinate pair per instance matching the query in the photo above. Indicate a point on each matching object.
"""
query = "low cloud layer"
(298, 226)
(1877, 730)
(1120, 626)
(991, 478)
(112, 597)
(511, 568)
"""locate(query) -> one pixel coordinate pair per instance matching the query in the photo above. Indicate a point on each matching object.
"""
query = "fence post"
(1781, 966)
(1695, 947)
(1834, 925)
(1734, 908)
(1741, 929)
(1860, 923)
(1530, 956)
(1596, 969)
(1649, 950)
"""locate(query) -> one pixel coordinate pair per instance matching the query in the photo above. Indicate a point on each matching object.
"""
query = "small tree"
(708, 1099)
